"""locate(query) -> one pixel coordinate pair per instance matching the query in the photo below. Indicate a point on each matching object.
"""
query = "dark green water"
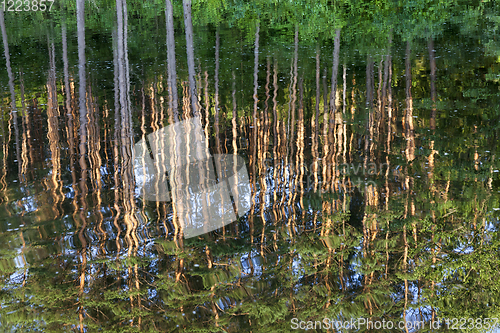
(374, 190)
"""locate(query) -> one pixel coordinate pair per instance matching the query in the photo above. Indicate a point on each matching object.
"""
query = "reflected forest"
(361, 177)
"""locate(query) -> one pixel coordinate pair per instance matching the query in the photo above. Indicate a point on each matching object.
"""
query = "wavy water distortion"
(249, 166)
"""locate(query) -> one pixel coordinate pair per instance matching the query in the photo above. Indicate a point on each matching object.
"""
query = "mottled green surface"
(381, 203)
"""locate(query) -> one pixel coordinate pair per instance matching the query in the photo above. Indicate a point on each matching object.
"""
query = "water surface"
(370, 142)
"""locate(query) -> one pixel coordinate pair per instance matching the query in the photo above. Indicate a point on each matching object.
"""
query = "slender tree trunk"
(116, 145)
(216, 101)
(172, 74)
(294, 90)
(126, 126)
(69, 113)
(190, 55)
(53, 130)
(234, 121)
(80, 22)
(369, 81)
(388, 148)
(369, 103)
(300, 146)
(255, 101)
(12, 91)
(432, 61)
(276, 133)
(315, 124)
(80, 15)
(26, 132)
(318, 84)
(335, 71)
(409, 131)
(325, 132)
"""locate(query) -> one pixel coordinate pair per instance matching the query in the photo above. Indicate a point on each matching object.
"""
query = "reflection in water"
(172, 74)
(126, 129)
(53, 135)
(80, 14)
(282, 193)
(201, 199)
(13, 111)
(188, 24)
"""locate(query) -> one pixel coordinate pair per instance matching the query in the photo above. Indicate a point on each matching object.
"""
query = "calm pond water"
(368, 133)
